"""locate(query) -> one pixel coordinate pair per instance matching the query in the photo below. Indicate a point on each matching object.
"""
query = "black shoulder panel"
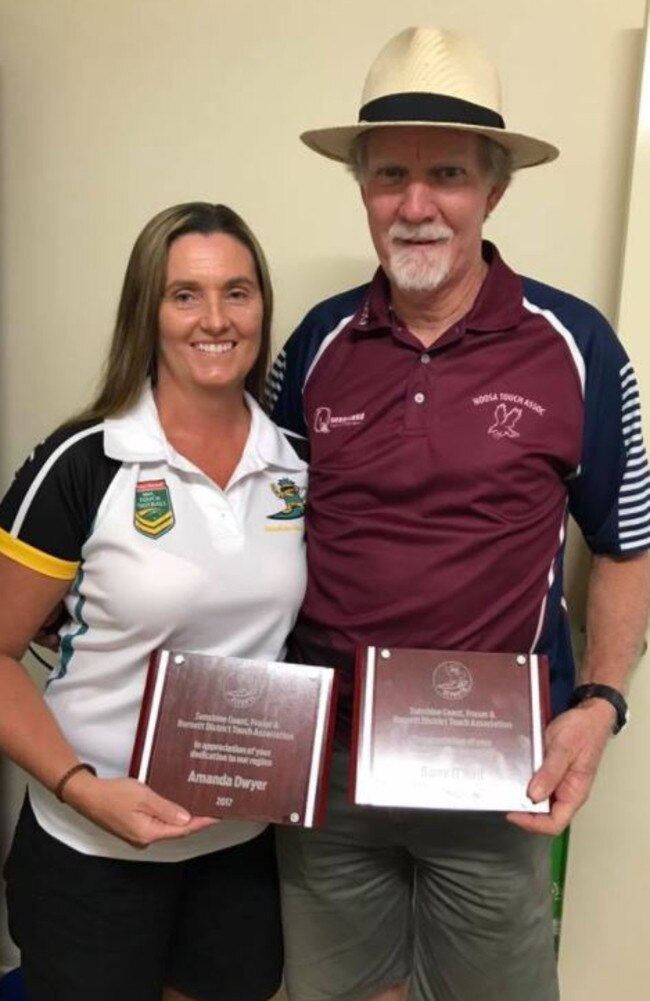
(53, 500)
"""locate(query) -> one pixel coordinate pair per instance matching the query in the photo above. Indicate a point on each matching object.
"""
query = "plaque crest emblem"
(153, 514)
(452, 680)
(293, 498)
(242, 689)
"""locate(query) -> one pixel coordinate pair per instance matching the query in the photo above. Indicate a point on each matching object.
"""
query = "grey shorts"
(458, 904)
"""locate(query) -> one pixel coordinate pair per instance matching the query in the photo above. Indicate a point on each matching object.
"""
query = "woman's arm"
(31, 737)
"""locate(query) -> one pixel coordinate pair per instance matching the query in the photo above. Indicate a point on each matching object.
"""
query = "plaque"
(236, 738)
(444, 729)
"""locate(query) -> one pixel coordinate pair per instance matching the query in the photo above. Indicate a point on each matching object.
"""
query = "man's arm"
(617, 614)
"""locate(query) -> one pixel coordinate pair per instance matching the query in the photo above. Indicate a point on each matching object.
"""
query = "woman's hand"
(130, 810)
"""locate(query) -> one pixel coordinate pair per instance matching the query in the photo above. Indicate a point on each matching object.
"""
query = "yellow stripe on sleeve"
(34, 559)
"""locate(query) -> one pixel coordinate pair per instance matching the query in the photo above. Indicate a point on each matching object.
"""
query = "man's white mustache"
(419, 231)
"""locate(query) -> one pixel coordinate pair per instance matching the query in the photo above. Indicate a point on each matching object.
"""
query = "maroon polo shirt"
(440, 480)
(437, 498)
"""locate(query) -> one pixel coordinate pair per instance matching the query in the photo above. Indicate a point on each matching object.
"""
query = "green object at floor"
(559, 854)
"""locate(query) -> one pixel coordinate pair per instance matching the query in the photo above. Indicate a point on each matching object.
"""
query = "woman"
(148, 516)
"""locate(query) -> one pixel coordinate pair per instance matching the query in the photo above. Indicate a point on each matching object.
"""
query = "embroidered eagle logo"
(504, 422)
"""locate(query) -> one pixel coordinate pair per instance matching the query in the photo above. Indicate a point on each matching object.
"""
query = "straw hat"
(433, 78)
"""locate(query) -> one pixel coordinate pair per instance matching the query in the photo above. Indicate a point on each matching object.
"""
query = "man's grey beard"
(419, 270)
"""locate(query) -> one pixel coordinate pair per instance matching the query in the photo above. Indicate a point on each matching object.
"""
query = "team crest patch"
(293, 498)
(153, 515)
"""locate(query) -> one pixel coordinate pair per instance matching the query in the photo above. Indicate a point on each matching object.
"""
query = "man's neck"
(428, 315)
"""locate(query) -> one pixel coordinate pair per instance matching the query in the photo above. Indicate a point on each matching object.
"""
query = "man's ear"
(494, 197)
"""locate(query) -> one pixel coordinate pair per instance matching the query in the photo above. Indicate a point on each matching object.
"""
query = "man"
(455, 412)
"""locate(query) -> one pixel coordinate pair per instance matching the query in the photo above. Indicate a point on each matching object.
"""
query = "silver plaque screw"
(385, 654)
(521, 660)
(294, 817)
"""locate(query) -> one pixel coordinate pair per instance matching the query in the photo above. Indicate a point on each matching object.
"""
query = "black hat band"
(422, 107)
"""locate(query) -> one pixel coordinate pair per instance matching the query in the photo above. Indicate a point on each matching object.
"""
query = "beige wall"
(609, 886)
(112, 109)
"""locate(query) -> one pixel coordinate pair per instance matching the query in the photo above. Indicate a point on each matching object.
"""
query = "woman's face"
(210, 316)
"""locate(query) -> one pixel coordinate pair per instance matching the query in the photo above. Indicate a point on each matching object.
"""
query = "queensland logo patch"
(293, 498)
(325, 421)
(153, 515)
(322, 418)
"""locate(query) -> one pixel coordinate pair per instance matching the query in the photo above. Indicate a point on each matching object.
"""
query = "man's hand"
(617, 614)
(130, 810)
(575, 742)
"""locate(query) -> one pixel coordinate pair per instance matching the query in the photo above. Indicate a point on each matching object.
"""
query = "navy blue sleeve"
(291, 369)
(610, 495)
(285, 382)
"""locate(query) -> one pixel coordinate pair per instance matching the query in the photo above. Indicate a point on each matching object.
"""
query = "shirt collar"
(498, 305)
(500, 302)
(374, 314)
(137, 436)
(268, 443)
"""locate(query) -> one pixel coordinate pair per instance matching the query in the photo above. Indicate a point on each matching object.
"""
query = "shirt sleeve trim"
(45, 469)
(21, 552)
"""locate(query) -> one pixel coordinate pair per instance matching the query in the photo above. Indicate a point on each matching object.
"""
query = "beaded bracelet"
(83, 766)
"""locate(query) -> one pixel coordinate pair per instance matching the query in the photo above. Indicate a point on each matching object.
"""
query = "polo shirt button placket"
(418, 397)
(224, 524)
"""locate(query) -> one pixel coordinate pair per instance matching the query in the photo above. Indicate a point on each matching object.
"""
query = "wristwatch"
(611, 695)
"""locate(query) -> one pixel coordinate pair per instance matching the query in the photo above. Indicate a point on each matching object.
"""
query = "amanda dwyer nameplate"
(449, 730)
(228, 737)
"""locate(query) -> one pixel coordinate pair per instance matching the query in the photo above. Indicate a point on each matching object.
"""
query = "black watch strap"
(611, 695)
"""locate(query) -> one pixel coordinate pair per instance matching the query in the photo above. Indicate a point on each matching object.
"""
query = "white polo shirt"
(158, 555)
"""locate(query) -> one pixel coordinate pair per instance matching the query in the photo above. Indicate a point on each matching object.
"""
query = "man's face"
(427, 195)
